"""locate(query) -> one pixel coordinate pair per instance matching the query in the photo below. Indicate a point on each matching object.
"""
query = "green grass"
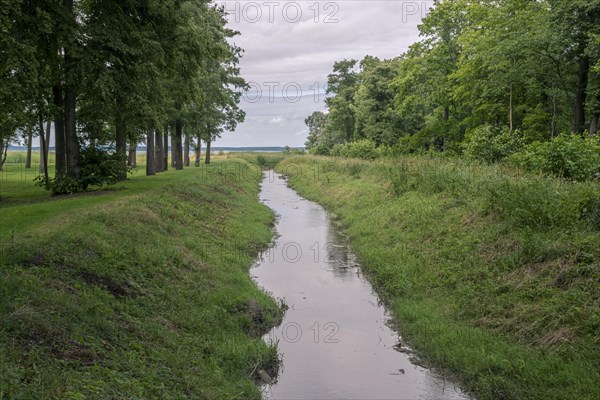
(139, 292)
(492, 276)
(19, 193)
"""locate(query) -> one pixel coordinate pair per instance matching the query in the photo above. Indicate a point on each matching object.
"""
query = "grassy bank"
(493, 276)
(141, 291)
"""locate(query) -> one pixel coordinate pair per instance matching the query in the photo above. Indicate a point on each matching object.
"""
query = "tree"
(375, 117)
(341, 87)
(316, 123)
(219, 108)
(150, 167)
(45, 148)
(109, 73)
(577, 24)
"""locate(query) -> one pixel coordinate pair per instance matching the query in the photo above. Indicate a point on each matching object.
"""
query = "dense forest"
(111, 74)
(489, 79)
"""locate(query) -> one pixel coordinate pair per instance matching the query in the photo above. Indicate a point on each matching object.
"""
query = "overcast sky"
(290, 48)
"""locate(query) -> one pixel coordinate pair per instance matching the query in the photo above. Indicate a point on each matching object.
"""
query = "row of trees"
(110, 73)
(531, 66)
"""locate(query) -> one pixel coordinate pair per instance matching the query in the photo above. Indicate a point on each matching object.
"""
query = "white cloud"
(277, 121)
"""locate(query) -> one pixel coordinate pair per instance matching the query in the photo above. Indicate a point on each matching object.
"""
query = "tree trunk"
(44, 156)
(510, 110)
(198, 150)
(121, 139)
(150, 153)
(3, 149)
(44, 146)
(580, 96)
(158, 151)
(29, 144)
(554, 116)
(594, 125)
(48, 132)
(41, 163)
(207, 155)
(132, 158)
(71, 142)
(186, 151)
(60, 149)
(178, 145)
(166, 149)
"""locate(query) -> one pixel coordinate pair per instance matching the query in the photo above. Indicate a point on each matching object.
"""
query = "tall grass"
(492, 275)
(144, 293)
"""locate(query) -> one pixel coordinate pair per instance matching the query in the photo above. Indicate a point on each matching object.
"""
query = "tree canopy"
(109, 73)
(527, 68)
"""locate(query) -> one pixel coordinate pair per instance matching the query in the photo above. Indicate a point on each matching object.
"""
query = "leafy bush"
(61, 184)
(336, 150)
(98, 167)
(568, 156)
(364, 149)
(491, 144)
(320, 150)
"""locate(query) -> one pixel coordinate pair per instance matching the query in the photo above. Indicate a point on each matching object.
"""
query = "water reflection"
(335, 340)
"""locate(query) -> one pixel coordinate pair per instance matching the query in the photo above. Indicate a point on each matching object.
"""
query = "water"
(334, 340)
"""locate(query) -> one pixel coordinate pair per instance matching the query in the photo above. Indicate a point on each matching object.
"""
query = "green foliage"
(567, 156)
(365, 149)
(490, 144)
(375, 118)
(317, 130)
(531, 66)
(134, 67)
(320, 149)
(61, 184)
(99, 167)
(341, 88)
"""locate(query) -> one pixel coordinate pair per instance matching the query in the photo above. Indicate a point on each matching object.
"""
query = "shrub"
(364, 149)
(491, 144)
(568, 156)
(97, 167)
(336, 150)
(298, 152)
(320, 150)
(100, 167)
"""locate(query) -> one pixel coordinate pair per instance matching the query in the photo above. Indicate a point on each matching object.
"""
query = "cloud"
(277, 121)
(301, 54)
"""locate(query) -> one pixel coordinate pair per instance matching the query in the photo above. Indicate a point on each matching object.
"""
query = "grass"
(139, 291)
(18, 189)
(492, 276)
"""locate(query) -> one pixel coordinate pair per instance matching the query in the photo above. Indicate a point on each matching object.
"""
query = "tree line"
(110, 74)
(511, 68)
